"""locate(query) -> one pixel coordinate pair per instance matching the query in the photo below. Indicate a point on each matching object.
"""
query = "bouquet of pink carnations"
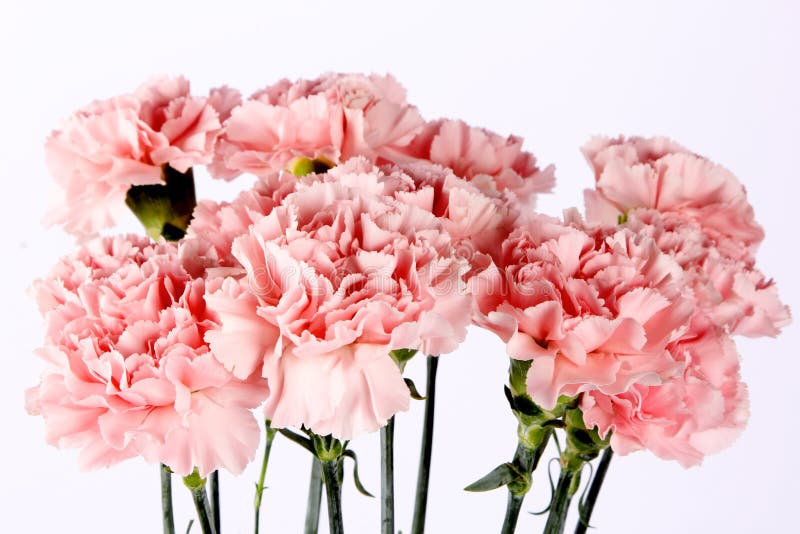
(372, 235)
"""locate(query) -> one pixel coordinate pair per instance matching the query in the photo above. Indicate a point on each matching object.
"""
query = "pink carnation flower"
(699, 412)
(660, 174)
(726, 285)
(333, 118)
(109, 146)
(337, 276)
(589, 311)
(494, 163)
(215, 225)
(128, 372)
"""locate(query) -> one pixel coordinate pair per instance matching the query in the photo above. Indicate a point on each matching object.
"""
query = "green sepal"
(518, 376)
(194, 481)
(502, 475)
(583, 444)
(327, 448)
(402, 356)
(164, 209)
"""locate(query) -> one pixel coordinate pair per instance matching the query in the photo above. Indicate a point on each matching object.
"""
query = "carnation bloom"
(697, 212)
(660, 174)
(494, 163)
(104, 149)
(477, 223)
(335, 277)
(332, 118)
(699, 412)
(128, 372)
(726, 285)
(215, 225)
(589, 311)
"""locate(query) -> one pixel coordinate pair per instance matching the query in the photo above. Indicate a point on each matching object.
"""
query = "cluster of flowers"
(370, 230)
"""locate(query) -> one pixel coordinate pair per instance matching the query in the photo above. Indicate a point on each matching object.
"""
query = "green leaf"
(498, 477)
(297, 438)
(413, 389)
(402, 356)
(359, 486)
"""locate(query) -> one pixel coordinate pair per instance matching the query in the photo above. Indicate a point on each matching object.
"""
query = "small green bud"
(302, 166)
(194, 481)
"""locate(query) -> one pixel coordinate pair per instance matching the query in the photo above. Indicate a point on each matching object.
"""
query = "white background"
(720, 77)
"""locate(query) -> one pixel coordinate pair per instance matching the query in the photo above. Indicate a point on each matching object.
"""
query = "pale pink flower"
(215, 225)
(699, 412)
(590, 311)
(334, 118)
(102, 150)
(726, 285)
(494, 163)
(337, 276)
(660, 174)
(128, 372)
(476, 222)
(260, 138)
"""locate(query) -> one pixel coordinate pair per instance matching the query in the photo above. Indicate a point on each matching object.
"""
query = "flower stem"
(387, 477)
(426, 450)
(260, 485)
(594, 491)
(166, 500)
(201, 505)
(557, 518)
(333, 491)
(213, 489)
(314, 498)
(525, 459)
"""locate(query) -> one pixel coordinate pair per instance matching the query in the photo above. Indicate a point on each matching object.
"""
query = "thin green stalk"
(594, 491)
(314, 498)
(213, 490)
(387, 478)
(333, 491)
(426, 450)
(201, 505)
(557, 518)
(166, 500)
(525, 459)
(260, 485)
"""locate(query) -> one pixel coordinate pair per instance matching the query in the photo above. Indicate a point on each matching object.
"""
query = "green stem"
(260, 485)
(557, 518)
(314, 498)
(333, 491)
(213, 489)
(387, 477)
(201, 505)
(426, 450)
(594, 491)
(525, 459)
(166, 500)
